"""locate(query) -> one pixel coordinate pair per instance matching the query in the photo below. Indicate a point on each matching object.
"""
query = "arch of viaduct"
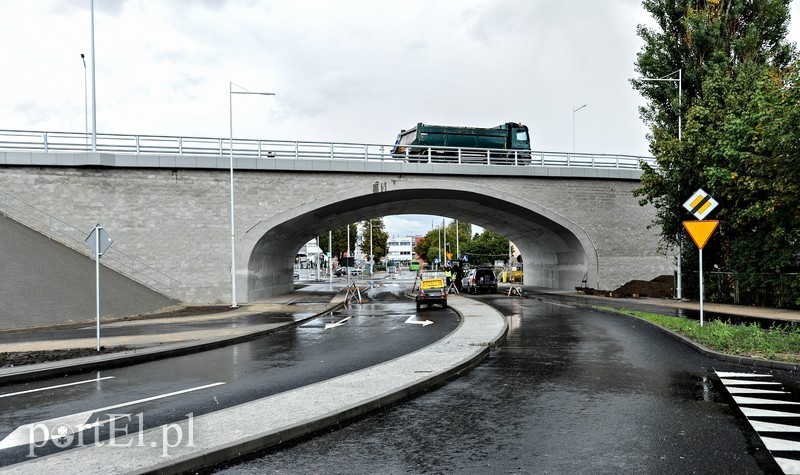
(569, 224)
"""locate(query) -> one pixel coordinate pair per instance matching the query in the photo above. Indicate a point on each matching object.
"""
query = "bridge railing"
(76, 142)
(58, 230)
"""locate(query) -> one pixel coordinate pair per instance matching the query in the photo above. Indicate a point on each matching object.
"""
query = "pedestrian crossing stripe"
(745, 382)
(789, 449)
(758, 400)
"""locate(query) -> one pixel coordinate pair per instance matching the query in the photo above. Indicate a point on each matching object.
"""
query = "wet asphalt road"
(570, 391)
(287, 359)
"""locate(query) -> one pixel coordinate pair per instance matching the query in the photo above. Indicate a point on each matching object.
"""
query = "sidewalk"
(708, 308)
(155, 338)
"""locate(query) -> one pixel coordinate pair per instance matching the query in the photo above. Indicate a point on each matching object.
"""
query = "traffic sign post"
(700, 232)
(98, 241)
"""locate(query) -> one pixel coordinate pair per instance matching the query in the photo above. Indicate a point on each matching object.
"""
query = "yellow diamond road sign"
(700, 204)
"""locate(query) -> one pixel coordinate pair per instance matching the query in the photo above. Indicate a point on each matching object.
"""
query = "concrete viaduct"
(569, 222)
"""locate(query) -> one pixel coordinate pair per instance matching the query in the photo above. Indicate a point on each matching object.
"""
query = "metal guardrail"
(76, 142)
(72, 237)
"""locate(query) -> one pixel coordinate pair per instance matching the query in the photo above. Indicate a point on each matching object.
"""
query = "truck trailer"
(508, 143)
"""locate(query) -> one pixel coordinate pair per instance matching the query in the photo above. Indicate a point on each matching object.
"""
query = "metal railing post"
(296, 150)
(366, 152)
(259, 149)
(138, 146)
(44, 137)
(429, 155)
(331, 150)
(220, 148)
(180, 146)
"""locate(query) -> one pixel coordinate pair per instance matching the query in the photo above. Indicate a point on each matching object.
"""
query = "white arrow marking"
(413, 319)
(337, 324)
(34, 433)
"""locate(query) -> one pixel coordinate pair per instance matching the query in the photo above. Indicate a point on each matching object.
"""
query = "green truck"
(508, 143)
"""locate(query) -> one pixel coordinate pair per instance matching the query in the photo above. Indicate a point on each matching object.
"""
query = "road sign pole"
(97, 279)
(701, 287)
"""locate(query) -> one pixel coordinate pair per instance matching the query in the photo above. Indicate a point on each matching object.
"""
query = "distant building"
(401, 249)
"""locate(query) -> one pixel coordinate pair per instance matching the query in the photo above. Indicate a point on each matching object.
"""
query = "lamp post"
(85, 101)
(94, 91)
(573, 125)
(679, 82)
(231, 92)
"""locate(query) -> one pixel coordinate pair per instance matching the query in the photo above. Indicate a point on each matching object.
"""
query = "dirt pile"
(661, 287)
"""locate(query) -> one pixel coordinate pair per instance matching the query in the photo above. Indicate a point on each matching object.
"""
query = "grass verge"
(779, 342)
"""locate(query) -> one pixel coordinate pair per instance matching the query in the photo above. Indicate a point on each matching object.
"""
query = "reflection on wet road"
(570, 390)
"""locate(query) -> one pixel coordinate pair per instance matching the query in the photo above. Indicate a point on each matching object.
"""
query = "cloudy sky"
(344, 71)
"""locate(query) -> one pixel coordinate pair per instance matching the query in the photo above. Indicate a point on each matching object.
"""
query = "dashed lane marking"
(55, 387)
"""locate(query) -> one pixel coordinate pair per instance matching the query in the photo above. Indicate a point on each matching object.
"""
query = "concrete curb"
(270, 421)
(743, 360)
(124, 358)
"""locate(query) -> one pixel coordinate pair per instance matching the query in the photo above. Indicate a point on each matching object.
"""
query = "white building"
(401, 249)
(311, 254)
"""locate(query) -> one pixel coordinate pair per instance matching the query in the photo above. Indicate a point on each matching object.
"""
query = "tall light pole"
(94, 91)
(573, 125)
(85, 101)
(231, 92)
(679, 82)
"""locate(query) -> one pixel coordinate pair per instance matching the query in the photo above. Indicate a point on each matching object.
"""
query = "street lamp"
(94, 91)
(231, 92)
(85, 101)
(679, 82)
(573, 125)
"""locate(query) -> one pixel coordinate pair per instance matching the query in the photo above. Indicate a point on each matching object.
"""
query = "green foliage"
(380, 238)
(740, 132)
(486, 248)
(339, 236)
(779, 342)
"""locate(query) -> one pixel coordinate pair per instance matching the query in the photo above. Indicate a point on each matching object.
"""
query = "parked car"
(355, 271)
(340, 271)
(391, 269)
(479, 280)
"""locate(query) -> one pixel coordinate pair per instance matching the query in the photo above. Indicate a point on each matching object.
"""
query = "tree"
(739, 77)
(486, 248)
(339, 236)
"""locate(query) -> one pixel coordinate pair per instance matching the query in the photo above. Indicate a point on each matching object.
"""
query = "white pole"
(701, 287)
(330, 257)
(85, 100)
(233, 227)
(348, 256)
(573, 125)
(94, 91)
(97, 279)
(458, 252)
(317, 259)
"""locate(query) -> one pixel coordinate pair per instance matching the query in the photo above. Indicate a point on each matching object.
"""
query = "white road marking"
(413, 319)
(735, 390)
(337, 324)
(758, 400)
(28, 433)
(751, 412)
(761, 426)
(788, 465)
(723, 374)
(783, 445)
(55, 387)
(744, 382)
